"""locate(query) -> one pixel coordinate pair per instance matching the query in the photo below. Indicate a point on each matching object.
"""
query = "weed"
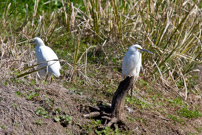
(5, 83)
(188, 113)
(33, 82)
(92, 125)
(176, 102)
(57, 118)
(63, 119)
(44, 82)
(26, 83)
(176, 119)
(3, 127)
(108, 131)
(135, 101)
(31, 95)
(66, 130)
(18, 93)
(14, 105)
(131, 118)
(143, 83)
(50, 102)
(16, 72)
(38, 122)
(38, 89)
(42, 112)
(141, 120)
(180, 84)
(57, 111)
(199, 129)
(154, 98)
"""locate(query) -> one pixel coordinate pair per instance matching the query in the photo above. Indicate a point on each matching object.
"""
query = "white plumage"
(45, 53)
(132, 61)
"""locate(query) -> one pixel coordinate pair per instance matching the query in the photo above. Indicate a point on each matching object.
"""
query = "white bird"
(45, 53)
(132, 62)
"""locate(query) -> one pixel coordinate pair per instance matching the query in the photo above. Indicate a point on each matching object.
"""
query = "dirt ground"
(18, 114)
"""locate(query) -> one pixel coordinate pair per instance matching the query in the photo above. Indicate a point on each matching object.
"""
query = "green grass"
(63, 119)
(3, 127)
(18, 93)
(106, 131)
(199, 129)
(176, 119)
(176, 102)
(137, 102)
(31, 95)
(42, 112)
(38, 122)
(184, 112)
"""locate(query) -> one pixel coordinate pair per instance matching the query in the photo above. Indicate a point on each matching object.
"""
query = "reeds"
(170, 29)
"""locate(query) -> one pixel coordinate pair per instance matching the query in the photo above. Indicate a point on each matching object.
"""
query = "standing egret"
(132, 62)
(45, 53)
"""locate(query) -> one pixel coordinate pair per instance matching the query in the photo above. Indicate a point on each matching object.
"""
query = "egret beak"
(146, 51)
(31, 42)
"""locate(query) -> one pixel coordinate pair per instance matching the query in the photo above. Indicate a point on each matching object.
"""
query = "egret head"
(138, 48)
(37, 41)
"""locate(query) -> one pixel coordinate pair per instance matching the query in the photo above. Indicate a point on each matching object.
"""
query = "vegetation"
(90, 38)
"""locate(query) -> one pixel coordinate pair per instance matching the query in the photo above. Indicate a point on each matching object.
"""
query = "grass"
(42, 112)
(31, 95)
(63, 119)
(189, 113)
(91, 38)
(38, 122)
(176, 119)
(137, 102)
(95, 124)
(176, 102)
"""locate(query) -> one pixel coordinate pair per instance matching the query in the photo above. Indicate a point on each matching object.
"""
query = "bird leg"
(46, 75)
(132, 86)
(51, 79)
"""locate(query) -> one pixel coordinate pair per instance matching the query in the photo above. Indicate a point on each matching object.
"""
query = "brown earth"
(18, 114)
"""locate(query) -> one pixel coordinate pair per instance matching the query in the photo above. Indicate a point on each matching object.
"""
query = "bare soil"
(18, 114)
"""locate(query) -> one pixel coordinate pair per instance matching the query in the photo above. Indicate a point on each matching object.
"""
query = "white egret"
(132, 62)
(45, 53)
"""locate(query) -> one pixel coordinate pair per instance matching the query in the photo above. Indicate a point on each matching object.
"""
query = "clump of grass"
(176, 102)
(94, 126)
(31, 95)
(42, 112)
(137, 102)
(176, 119)
(63, 119)
(189, 113)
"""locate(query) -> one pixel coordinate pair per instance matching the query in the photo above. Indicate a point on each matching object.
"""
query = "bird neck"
(42, 44)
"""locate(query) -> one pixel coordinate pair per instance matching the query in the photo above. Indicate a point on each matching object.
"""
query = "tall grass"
(170, 29)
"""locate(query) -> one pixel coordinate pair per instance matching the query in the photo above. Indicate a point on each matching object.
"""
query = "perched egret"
(45, 53)
(132, 62)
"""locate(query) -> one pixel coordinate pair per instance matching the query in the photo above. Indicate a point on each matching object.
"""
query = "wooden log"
(118, 100)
